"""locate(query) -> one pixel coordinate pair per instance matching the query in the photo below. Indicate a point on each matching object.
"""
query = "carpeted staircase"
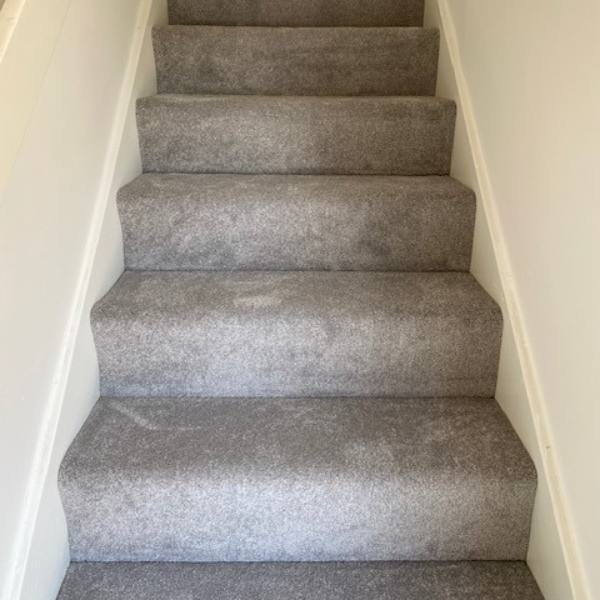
(297, 368)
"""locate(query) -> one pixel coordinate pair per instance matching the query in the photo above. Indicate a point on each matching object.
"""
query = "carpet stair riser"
(213, 480)
(308, 581)
(310, 62)
(247, 222)
(298, 13)
(297, 334)
(296, 135)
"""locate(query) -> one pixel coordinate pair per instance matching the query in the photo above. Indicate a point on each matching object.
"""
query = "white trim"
(50, 420)
(516, 318)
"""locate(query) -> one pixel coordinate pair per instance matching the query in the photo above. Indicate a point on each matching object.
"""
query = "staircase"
(297, 369)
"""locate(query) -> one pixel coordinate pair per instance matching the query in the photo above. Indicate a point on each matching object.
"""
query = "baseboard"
(50, 420)
(548, 469)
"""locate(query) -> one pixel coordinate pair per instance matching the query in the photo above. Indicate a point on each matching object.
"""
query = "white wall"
(526, 76)
(69, 76)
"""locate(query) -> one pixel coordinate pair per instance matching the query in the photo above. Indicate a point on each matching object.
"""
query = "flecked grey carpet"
(389, 135)
(260, 222)
(297, 366)
(297, 13)
(208, 480)
(325, 581)
(304, 333)
(302, 61)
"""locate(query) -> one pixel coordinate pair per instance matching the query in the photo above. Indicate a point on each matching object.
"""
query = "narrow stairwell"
(297, 369)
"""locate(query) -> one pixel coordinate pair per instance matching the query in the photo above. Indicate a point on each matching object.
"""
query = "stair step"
(207, 480)
(306, 581)
(296, 222)
(330, 13)
(298, 134)
(297, 334)
(300, 61)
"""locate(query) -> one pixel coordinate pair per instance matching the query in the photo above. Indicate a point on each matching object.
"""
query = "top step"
(298, 13)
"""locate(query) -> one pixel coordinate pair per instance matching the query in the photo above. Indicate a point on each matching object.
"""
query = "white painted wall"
(526, 77)
(70, 71)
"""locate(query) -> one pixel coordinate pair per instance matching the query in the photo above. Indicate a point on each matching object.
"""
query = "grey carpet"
(326, 581)
(297, 334)
(297, 13)
(268, 134)
(297, 480)
(272, 222)
(296, 363)
(302, 61)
